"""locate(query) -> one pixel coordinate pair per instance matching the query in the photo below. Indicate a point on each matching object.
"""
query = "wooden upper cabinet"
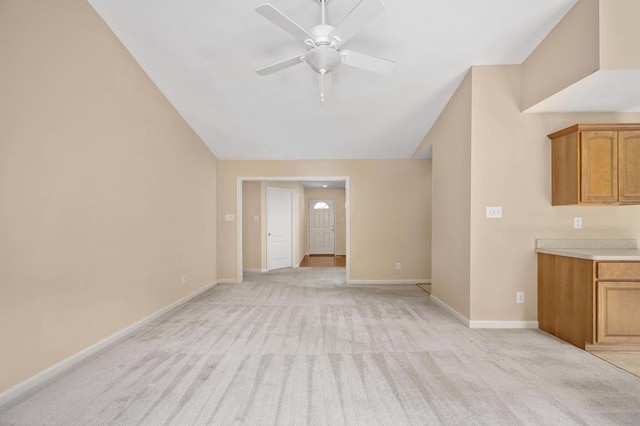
(596, 164)
(629, 166)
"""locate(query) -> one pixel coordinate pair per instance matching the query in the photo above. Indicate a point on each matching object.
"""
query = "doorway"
(259, 226)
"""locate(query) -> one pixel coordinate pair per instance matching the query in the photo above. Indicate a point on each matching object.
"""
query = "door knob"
(269, 234)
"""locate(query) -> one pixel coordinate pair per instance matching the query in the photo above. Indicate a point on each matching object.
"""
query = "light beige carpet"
(299, 347)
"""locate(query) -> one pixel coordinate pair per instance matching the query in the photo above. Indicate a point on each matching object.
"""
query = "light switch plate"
(256, 218)
(494, 212)
(229, 217)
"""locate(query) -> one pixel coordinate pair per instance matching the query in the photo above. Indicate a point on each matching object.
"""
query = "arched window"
(320, 205)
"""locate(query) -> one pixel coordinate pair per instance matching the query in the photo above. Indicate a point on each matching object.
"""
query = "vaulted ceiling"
(203, 55)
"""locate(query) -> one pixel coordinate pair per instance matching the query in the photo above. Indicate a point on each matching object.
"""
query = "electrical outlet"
(520, 297)
(494, 212)
(184, 279)
(398, 266)
(229, 217)
(577, 223)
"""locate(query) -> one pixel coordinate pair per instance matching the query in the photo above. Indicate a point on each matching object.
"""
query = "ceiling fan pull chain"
(322, 72)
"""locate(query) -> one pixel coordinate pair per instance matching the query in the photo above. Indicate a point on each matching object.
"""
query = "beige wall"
(388, 210)
(450, 253)
(619, 35)
(338, 197)
(252, 231)
(569, 53)
(510, 167)
(106, 196)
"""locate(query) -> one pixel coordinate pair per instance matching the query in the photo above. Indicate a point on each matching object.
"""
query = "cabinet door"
(599, 166)
(629, 166)
(618, 312)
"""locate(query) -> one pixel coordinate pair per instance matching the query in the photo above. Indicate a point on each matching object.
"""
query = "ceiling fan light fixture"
(323, 59)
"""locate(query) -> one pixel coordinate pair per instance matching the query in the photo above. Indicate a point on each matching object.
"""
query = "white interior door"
(322, 234)
(279, 228)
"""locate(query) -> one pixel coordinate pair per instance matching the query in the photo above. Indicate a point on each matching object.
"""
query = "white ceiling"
(203, 55)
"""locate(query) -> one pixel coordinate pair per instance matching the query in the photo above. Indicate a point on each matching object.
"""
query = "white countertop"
(602, 249)
(603, 254)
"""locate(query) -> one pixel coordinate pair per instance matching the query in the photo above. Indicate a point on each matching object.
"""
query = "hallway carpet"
(299, 347)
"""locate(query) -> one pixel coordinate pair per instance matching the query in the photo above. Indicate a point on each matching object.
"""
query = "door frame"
(309, 223)
(240, 180)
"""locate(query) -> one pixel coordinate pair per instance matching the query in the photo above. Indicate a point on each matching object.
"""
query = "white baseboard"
(449, 309)
(253, 271)
(67, 363)
(374, 282)
(484, 324)
(503, 324)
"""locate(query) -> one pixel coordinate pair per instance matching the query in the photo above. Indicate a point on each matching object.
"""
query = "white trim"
(239, 213)
(427, 281)
(376, 282)
(503, 324)
(256, 270)
(227, 281)
(347, 207)
(61, 367)
(484, 324)
(464, 320)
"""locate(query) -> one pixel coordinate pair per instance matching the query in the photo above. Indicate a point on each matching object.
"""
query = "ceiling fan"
(324, 42)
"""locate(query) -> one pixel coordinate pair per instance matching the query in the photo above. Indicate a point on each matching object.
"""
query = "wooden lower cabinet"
(618, 312)
(586, 302)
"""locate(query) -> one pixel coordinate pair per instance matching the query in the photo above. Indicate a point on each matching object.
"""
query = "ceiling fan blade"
(281, 20)
(364, 12)
(367, 62)
(281, 65)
